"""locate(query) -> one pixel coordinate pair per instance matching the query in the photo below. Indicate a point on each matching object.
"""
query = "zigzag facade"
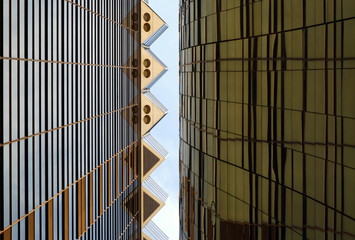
(152, 111)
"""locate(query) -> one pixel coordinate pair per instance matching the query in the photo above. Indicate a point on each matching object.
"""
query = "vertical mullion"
(2, 127)
(117, 175)
(12, 118)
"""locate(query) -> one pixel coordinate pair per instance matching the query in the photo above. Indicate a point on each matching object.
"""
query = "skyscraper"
(76, 111)
(267, 119)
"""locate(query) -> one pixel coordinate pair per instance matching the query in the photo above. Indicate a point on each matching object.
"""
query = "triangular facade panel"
(152, 112)
(152, 25)
(151, 159)
(151, 205)
(152, 68)
(130, 203)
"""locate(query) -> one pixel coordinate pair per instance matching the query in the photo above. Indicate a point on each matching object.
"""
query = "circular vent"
(146, 27)
(146, 63)
(146, 73)
(146, 119)
(146, 17)
(146, 109)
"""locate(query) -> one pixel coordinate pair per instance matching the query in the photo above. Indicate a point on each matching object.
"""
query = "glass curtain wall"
(68, 149)
(267, 119)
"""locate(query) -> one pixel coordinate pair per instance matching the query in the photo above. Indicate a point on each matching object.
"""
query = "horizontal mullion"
(66, 188)
(67, 125)
(101, 16)
(68, 63)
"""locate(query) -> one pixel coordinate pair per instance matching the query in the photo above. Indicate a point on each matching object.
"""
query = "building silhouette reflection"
(267, 119)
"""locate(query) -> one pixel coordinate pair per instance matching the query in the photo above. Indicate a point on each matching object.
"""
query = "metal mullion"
(54, 97)
(117, 123)
(70, 63)
(104, 88)
(79, 79)
(96, 72)
(5, 124)
(60, 84)
(13, 116)
(86, 80)
(77, 166)
(2, 125)
(25, 110)
(21, 75)
(111, 87)
(71, 129)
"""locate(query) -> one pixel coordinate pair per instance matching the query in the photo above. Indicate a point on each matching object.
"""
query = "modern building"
(76, 110)
(267, 119)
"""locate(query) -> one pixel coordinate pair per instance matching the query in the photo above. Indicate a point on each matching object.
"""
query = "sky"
(166, 47)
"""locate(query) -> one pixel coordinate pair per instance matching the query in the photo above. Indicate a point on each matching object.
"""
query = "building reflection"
(267, 122)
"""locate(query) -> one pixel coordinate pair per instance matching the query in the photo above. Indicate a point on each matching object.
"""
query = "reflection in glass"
(266, 123)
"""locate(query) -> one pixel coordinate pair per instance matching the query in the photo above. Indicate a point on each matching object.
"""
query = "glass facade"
(69, 135)
(267, 119)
